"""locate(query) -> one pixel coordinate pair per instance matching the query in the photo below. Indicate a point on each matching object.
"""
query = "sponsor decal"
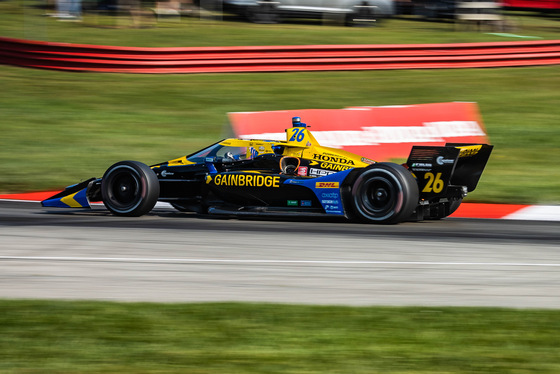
(293, 203)
(242, 180)
(332, 158)
(442, 161)
(329, 195)
(334, 167)
(367, 161)
(332, 209)
(421, 165)
(469, 151)
(294, 181)
(302, 171)
(329, 201)
(165, 173)
(320, 172)
(306, 203)
(326, 185)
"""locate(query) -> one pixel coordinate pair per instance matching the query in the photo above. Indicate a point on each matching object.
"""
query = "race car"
(296, 177)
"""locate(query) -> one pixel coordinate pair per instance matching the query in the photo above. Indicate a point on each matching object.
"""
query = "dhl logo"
(326, 185)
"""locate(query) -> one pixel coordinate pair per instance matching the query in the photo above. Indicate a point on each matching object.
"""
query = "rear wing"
(455, 164)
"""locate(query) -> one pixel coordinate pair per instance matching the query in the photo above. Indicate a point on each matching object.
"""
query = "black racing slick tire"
(129, 188)
(384, 193)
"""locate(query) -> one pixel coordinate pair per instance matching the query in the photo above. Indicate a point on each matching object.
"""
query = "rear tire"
(383, 193)
(129, 188)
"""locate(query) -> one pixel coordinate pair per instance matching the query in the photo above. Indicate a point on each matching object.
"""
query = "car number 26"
(435, 184)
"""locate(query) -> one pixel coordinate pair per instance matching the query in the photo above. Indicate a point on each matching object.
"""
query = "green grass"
(98, 337)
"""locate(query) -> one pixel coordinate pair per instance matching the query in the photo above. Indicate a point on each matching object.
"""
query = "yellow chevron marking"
(69, 200)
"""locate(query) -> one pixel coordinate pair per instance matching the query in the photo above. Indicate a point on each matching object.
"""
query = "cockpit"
(222, 153)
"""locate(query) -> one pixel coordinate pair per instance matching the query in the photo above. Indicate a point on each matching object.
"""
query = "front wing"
(74, 196)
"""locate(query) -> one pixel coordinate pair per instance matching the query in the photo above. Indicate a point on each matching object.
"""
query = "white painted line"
(262, 261)
(537, 213)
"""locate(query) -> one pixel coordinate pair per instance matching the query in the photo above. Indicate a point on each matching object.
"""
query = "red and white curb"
(466, 210)
(509, 211)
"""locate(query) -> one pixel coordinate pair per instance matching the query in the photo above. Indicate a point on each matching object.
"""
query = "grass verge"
(100, 337)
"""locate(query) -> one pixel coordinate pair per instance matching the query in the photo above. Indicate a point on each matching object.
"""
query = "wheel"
(383, 193)
(129, 188)
(264, 12)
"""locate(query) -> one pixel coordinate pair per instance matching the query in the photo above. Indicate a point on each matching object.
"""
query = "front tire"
(129, 188)
(383, 193)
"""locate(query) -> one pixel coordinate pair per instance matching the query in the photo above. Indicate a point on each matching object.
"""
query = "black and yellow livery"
(297, 176)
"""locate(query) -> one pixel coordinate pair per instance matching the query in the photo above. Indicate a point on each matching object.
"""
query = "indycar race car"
(296, 177)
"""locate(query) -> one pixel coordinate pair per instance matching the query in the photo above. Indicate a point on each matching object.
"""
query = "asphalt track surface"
(169, 256)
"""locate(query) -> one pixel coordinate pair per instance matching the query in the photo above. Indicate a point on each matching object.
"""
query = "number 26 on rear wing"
(439, 170)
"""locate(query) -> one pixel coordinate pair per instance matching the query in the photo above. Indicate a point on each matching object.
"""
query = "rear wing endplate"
(455, 164)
